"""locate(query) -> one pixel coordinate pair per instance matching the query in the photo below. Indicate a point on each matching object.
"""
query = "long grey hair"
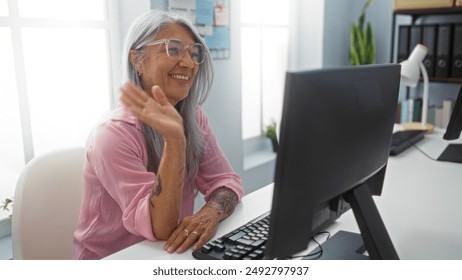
(142, 32)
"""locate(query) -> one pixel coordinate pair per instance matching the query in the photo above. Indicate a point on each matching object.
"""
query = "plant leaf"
(362, 42)
(370, 44)
(354, 53)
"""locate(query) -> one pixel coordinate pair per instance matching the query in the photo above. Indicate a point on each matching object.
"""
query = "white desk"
(420, 206)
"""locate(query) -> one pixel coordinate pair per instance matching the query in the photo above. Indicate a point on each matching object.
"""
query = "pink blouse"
(115, 207)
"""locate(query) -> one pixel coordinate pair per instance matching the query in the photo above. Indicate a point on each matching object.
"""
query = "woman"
(147, 159)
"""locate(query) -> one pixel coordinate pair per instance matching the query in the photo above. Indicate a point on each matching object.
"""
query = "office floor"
(6, 251)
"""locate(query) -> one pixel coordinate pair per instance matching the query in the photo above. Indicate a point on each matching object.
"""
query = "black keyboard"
(245, 243)
(401, 140)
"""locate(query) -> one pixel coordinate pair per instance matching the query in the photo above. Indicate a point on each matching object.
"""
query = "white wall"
(128, 11)
(307, 37)
(339, 16)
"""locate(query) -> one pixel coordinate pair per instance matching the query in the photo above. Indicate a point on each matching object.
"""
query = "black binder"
(417, 111)
(415, 37)
(456, 65)
(403, 42)
(429, 40)
(443, 50)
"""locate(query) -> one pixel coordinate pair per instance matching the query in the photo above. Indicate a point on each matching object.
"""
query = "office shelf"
(415, 14)
(445, 80)
(426, 12)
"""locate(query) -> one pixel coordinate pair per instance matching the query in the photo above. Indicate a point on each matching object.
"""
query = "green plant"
(6, 203)
(362, 41)
(270, 131)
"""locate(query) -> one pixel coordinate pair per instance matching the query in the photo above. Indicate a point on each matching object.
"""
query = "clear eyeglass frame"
(175, 48)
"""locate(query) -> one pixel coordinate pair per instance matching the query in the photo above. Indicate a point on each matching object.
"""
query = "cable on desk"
(317, 254)
(424, 153)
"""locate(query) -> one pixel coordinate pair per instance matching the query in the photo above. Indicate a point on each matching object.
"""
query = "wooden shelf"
(446, 80)
(429, 11)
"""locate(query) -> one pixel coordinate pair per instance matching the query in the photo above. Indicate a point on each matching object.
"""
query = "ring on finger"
(186, 232)
(195, 232)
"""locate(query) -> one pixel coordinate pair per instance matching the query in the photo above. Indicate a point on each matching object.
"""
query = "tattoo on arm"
(158, 187)
(223, 200)
(156, 190)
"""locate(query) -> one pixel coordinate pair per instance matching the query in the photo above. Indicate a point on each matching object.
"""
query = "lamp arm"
(425, 95)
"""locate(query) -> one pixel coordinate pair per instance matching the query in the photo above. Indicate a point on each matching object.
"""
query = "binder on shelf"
(447, 110)
(415, 36)
(439, 117)
(417, 110)
(419, 4)
(410, 110)
(403, 42)
(443, 50)
(456, 61)
(404, 111)
(429, 40)
(431, 115)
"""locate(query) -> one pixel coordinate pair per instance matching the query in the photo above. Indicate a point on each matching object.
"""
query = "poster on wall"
(211, 17)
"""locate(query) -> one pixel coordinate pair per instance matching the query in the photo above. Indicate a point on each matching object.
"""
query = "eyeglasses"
(175, 48)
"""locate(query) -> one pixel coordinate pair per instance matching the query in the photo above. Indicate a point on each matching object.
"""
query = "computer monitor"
(334, 143)
(453, 152)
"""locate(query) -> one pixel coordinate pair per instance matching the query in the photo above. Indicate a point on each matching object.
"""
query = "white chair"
(47, 205)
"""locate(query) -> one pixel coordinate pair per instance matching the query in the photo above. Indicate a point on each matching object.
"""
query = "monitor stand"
(343, 245)
(452, 153)
(370, 223)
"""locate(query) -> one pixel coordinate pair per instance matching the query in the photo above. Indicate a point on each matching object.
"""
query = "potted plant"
(6, 203)
(362, 41)
(270, 133)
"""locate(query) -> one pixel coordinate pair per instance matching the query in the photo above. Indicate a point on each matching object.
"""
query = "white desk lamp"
(410, 74)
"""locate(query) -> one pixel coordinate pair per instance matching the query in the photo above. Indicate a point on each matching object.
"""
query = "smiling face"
(174, 76)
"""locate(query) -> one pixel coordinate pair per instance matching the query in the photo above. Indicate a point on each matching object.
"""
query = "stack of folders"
(410, 110)
(444, 43)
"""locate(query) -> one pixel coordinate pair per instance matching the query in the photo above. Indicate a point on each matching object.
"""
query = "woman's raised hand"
(154, 110)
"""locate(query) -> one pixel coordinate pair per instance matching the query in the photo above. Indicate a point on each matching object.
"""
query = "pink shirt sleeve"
(118, 163)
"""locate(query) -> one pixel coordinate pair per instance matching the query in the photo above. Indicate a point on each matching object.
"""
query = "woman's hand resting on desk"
(194, 231)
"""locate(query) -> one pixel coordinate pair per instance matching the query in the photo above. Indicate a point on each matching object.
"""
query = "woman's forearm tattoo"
(158, 187)
(224, 201)
(156, 190)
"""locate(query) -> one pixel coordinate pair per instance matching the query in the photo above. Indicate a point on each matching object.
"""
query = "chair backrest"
(47, 205)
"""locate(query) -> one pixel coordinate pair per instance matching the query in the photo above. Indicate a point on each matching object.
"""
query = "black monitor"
(335, 138)
(453, 152)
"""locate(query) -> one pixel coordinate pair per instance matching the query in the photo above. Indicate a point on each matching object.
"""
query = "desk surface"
(420, 206)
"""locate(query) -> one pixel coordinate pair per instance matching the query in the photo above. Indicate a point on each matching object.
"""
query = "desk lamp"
(410, 74)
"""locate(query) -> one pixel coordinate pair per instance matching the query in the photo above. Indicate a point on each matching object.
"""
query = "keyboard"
(401, 140)
(244, 243)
